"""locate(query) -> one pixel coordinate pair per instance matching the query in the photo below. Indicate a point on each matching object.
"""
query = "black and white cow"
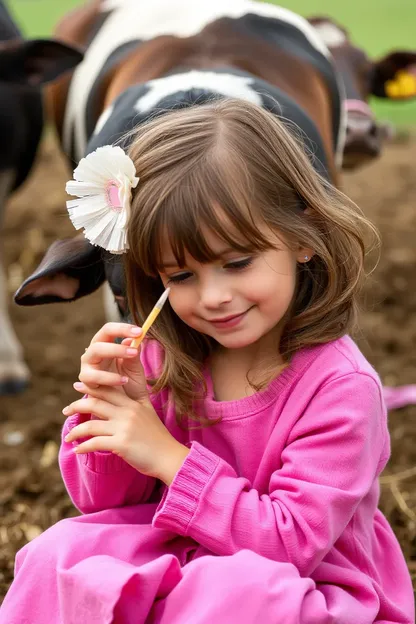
(24, 67)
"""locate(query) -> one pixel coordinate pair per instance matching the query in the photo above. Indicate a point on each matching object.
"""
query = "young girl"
(229, 474)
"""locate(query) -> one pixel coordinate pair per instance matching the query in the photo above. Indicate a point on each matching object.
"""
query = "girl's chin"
(236, 342)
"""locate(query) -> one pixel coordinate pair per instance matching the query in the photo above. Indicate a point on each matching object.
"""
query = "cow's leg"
(112, 312)
(14, 374)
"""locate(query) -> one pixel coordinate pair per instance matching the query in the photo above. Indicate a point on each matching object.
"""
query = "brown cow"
(362, 78)
(145, 58)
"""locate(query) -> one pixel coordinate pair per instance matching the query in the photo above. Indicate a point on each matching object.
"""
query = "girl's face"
(237, 299)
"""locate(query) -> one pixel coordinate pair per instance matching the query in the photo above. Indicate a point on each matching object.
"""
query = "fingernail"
(66, 438)
(131, 351)
(78, 385)
(136, 331)
(124, 380)
(66, 410)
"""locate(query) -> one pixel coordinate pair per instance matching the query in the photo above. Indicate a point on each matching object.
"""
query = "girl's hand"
(128, 428)
(106, 363)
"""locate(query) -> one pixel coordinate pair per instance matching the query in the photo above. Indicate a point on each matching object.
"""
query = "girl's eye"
(178, 279)
(239, 264)
(236, 265)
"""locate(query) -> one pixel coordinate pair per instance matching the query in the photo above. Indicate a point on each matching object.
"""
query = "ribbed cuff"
(183, 496)
(101, 462)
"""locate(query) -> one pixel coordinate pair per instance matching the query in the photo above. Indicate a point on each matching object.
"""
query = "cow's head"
(392, 77)
(24, 67)
(70, 269)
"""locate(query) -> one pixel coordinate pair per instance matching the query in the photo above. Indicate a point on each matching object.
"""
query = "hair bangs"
(204, 202)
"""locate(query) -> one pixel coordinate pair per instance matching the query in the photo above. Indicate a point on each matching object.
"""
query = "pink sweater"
(289, 473)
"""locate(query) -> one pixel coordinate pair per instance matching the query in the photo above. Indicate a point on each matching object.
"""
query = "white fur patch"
(102, 120)
(225, 84)
(12, 366)
(331, 34)
(110, 5)
(134, 19)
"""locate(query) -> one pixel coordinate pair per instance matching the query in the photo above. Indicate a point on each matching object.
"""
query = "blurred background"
(32, 496)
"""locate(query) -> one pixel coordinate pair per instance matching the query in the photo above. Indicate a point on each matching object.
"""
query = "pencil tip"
(163, 298)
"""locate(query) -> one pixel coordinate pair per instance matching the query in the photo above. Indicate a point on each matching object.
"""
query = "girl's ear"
(304, 254)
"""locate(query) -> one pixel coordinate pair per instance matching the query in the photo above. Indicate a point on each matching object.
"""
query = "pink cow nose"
(359, 125)
(363, 139)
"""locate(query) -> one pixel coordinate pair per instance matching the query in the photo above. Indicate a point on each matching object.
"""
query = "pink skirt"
(113, 567)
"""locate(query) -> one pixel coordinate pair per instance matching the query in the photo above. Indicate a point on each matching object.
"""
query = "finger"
(127, 342)
(91, 405)
(101, 392)
(92, 390)
(100, 351)
(94, 378)
(100, 443)
(133, 368)
(111, 395)
(89, 428)
(110, 331)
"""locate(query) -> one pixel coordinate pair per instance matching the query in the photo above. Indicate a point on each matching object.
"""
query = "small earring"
(306, 258)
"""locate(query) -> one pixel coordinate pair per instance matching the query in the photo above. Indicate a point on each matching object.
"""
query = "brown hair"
(235, 155)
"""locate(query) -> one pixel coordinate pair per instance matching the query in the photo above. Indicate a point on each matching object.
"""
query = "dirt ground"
(32, 495)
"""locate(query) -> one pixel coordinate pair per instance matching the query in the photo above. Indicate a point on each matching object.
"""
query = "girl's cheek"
(259, 288)
(183, 307)
(177, 304)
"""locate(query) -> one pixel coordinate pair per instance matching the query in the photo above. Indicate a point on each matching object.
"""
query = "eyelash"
(233, 266)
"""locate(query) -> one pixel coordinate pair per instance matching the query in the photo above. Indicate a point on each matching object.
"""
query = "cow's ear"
(37, 61)
(394, 76)
(70, 269)
(330, 32)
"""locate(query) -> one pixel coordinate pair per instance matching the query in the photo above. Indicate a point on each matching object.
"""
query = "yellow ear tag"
(403, 86)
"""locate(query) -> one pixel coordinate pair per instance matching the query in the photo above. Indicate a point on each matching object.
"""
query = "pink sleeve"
(97, 481)
(336, 450)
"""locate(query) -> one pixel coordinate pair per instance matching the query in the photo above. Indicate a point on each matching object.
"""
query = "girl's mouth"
(229, 321)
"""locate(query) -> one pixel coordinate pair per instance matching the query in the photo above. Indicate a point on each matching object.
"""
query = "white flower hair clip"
(102, 182)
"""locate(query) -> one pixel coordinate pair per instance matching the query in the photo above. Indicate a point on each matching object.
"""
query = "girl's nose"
(215, 294)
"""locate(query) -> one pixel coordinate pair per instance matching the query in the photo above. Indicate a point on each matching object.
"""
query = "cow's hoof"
(14, 378)
(13, 386)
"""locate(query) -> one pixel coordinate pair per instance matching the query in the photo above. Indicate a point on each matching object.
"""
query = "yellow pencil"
(151, 319)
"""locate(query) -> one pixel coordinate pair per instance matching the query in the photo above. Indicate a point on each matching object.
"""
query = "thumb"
(133, 368)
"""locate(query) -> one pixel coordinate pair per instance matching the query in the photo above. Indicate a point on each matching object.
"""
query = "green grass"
(379, 26)
(37, 18)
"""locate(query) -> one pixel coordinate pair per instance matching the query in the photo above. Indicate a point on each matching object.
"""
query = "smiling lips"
(229, 321)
